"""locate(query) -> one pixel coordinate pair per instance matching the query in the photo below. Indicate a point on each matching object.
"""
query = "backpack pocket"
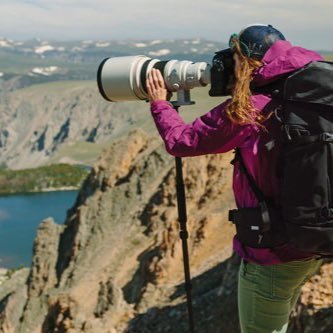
(313, 238)
(306, 183)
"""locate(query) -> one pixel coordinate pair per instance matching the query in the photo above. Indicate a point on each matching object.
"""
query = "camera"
(124, 78)
(222, 73)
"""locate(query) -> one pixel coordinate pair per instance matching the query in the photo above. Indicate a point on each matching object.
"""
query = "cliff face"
(36, 122)
(116, 265)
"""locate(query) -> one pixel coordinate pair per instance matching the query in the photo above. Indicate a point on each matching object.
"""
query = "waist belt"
(251, 227)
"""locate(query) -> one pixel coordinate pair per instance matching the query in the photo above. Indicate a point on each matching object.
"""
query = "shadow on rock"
(214, 305)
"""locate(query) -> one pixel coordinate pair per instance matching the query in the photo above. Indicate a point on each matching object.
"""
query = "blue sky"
(304, 22)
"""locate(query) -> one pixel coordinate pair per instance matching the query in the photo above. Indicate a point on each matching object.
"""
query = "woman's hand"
(156, 86)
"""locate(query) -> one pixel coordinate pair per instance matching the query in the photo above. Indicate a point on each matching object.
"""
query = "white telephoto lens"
(124, 78)
(119, 78)
(186, 75)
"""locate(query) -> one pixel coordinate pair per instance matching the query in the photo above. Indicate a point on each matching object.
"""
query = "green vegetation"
(10, 272)
(53, 177)
(329, 57)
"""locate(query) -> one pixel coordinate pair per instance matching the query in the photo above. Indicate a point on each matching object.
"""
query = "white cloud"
(307, 22)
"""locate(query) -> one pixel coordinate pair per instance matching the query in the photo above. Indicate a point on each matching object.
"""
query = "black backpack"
(303, 217)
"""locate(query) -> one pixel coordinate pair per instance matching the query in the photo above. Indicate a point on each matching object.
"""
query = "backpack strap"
(258, 193)
(242, 167)
(275, 88)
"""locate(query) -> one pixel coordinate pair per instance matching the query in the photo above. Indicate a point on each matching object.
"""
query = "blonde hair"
(240, 109)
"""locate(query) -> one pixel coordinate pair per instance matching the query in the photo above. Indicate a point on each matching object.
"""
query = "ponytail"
(240, 110)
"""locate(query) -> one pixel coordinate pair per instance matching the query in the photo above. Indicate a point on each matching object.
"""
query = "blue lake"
(20, 216)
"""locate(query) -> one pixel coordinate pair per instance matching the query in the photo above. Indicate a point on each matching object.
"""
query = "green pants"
(267, 294)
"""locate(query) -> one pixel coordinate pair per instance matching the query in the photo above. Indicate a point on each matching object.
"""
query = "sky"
(307, 23)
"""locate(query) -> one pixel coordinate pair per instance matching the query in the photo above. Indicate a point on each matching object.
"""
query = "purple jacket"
(214, 133)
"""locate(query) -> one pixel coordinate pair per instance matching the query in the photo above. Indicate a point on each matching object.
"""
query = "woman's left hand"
(156, 86)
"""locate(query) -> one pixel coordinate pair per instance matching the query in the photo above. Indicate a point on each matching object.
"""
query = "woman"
(269, 279)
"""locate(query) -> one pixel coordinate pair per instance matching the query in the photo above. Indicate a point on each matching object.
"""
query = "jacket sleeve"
(208, 134)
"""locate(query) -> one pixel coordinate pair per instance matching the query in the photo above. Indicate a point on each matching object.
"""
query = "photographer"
(270, 278)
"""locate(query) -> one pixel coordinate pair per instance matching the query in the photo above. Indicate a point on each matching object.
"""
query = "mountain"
(116, 264)
(40, 120)
(42, 61)
(69, 122)
(50, 108)
(24, 63)
(51, 111)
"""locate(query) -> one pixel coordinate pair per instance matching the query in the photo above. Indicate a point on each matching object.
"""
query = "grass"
(42, 178)
(10, 272)
(329, 57)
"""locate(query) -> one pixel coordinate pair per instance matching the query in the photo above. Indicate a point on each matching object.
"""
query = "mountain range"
(50, 108)
(42, 61)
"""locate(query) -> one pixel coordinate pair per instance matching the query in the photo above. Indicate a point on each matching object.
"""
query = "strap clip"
(326, 137)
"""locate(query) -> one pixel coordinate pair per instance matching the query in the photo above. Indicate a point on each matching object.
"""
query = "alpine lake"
(20, 216)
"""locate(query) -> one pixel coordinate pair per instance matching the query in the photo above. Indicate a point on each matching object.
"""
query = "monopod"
(183, 98)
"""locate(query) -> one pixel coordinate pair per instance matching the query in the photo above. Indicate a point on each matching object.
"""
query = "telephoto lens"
(124, 78)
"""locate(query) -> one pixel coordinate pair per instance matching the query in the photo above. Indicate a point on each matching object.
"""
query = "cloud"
(306, 22)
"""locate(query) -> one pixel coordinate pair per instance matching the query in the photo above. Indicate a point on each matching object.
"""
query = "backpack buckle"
(326, 137)
(265, 216)
(325, 213)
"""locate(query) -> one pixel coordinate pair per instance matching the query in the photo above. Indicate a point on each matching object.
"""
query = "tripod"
(183, 98)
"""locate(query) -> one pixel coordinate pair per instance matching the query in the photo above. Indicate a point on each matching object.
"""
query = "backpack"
(303, 216)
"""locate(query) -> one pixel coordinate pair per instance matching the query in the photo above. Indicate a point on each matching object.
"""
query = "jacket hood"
(283, 58)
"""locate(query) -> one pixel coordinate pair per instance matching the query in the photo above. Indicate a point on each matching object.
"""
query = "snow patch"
(102, 44)
(155, 42)
(4, 43)
(44, 48)
(140, 45)
(159, 53)
(77, 49)
(46, 71)
(196, 41)
(1, 74)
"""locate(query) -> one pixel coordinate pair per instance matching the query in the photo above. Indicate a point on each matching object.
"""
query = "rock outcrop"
(36, 122)
(116, 265)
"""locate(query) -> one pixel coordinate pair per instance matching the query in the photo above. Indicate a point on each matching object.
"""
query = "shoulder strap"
(275, 88)
(258, 193)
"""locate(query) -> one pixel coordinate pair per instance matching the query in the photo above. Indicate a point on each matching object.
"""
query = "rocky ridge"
(116, 264)
(69, 122)
(36, 122)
